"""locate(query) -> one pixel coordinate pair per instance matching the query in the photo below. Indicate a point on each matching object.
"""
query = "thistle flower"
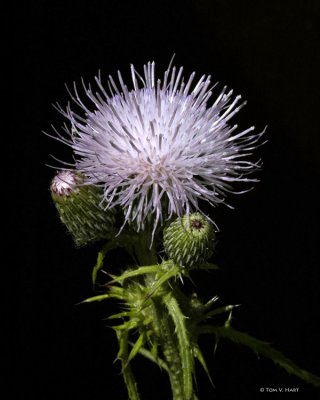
(159, 148)
(79, 208)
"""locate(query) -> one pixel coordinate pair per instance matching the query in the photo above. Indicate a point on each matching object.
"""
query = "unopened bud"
(189, 241)
(79, 207)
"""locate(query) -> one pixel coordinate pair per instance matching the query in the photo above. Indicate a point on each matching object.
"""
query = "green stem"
(146, 255)
(162, 322)
(128, 377)
(171, 353)
(186, 356)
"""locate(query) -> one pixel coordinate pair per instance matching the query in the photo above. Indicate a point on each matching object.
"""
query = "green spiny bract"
(79, 208)
(189, 241)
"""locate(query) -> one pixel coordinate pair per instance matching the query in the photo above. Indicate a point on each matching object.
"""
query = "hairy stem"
(185, 352)
(146, 255)
(171, 353)
(126, 369)
(163, 324)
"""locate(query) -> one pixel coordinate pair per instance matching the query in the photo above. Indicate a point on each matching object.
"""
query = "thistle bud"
(189, 241)
(79, 208)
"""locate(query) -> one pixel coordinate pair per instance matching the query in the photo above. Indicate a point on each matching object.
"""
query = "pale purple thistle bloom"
(160, 140)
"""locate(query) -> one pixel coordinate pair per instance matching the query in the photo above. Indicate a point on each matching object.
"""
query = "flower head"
(79, 208)
(189, 241)
(64, 183)
(158, 148)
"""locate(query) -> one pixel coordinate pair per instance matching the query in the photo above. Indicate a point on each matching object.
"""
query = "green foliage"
(124, 240)
(150, 356)
(262, 348)
(199, 356)
(126, 369)
(159, 322)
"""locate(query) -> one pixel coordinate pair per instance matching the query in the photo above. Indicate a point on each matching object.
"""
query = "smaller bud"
(79, 208)
(189, 241)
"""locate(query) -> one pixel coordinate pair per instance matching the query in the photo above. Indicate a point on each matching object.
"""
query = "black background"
(268, 246)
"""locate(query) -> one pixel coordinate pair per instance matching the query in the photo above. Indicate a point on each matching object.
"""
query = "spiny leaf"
(98, 266)
(199, 356)
(157, 360)
(117, 291)
(264, 349)
(120, 315)
(123, 240)
(151, 269)
(164, 278)
(126, 369)
(127, 326)
(137, 346)
(97, 298)
(122, 336)
(221, 310)
(209, 303)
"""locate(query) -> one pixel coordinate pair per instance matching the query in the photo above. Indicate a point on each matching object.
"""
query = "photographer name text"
(279, 389)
